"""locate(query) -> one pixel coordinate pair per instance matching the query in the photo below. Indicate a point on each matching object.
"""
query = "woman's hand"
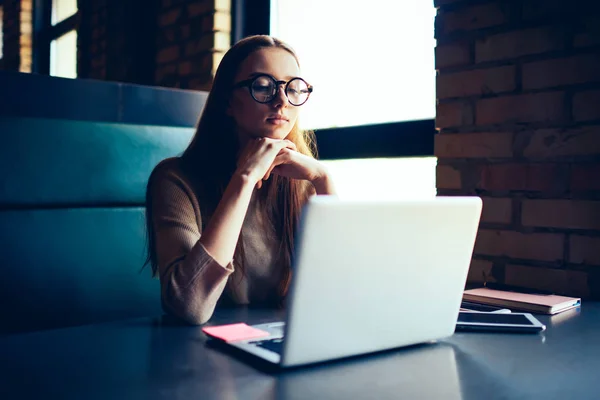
(295, 165)
(258, 157)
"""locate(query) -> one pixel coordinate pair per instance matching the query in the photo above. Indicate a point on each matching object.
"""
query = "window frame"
(44, 33)
(383, 140)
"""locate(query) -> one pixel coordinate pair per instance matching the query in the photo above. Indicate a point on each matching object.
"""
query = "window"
(366, 67)
(63, 49)
(384, 178)
(374, 69)
(63, 55)
(63, 9)
(55, 48)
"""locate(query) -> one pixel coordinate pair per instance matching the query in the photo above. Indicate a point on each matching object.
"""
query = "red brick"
(453, 114)
(586, 105)
(185, 68)
(568, 214)
(203, 64)
(531, 246)
(169, 18)
(497, 210)
(473, 145)
(585, 177)
(559, 281)
(96, 33)
(165, 71)
(541, 9)
(530, 177)
(519, 43)
(203, 84)
(447, 177)
(480, 271)
(452, 55)
(476, 82)
(207, 23)
(201, 45)
(98, 62)
(169, 54)
(589, 33)
(561, 71)
(538, 107)
(581, 141)
(199, 7)
(584, 250)
(167, 36)
(472, 18)
(185, 31)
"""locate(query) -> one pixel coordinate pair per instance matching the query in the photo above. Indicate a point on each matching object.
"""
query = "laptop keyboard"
(275, 345)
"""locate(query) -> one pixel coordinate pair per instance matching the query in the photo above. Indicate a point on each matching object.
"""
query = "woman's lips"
(277, 120)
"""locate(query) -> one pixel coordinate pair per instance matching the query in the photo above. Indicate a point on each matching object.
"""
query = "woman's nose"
(280, 98)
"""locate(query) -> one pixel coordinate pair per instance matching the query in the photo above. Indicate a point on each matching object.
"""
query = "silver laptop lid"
(375, 275)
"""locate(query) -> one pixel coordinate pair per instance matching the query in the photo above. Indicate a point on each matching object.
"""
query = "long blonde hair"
(211, 159)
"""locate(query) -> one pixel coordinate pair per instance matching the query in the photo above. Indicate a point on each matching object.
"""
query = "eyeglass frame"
(248, 83)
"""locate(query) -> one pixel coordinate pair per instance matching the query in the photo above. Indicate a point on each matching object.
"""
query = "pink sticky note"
(234, 332)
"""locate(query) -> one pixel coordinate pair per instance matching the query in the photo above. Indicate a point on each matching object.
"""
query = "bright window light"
(366, 67)
(63, 9)
(384, 178)
(63, 55)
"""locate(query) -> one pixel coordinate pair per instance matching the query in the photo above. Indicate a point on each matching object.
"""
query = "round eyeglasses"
(263, 89)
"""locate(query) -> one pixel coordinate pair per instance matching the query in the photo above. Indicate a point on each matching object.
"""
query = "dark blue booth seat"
(72, 191)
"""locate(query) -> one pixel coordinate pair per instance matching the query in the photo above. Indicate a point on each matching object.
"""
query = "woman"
(221, 218)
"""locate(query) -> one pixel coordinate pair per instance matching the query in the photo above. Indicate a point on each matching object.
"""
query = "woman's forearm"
(221, 234)
(324, 185)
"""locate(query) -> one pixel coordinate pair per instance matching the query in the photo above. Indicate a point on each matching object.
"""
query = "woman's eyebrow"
(254, 74)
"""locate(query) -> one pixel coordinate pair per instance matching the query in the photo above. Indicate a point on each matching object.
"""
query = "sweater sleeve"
(191, 280)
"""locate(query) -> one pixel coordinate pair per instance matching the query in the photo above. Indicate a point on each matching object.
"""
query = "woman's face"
(276, 118)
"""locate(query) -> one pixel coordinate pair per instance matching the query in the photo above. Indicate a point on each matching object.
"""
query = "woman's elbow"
(192, 314)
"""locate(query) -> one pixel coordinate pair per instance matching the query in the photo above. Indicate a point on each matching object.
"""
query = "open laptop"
(372, 276)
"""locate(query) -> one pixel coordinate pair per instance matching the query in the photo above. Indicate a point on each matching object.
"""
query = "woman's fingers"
(291, 145)
(262, 155)
(282, 158)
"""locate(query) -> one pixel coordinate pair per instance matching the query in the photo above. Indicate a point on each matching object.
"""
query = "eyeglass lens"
(264, 89)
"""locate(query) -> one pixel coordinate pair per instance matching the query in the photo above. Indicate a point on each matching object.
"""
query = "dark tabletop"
(152, 358)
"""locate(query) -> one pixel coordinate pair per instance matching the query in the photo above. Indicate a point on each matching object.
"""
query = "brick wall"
(116, 40)
(17, 33)
(518, 115)
(192, 37)
(91, 39)
(11, 27)
(26, 36)
(172, 43)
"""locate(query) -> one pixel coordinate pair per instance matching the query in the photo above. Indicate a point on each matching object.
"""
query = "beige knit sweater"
(192, 282)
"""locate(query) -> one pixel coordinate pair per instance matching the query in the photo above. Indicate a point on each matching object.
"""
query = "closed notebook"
(536, 303)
